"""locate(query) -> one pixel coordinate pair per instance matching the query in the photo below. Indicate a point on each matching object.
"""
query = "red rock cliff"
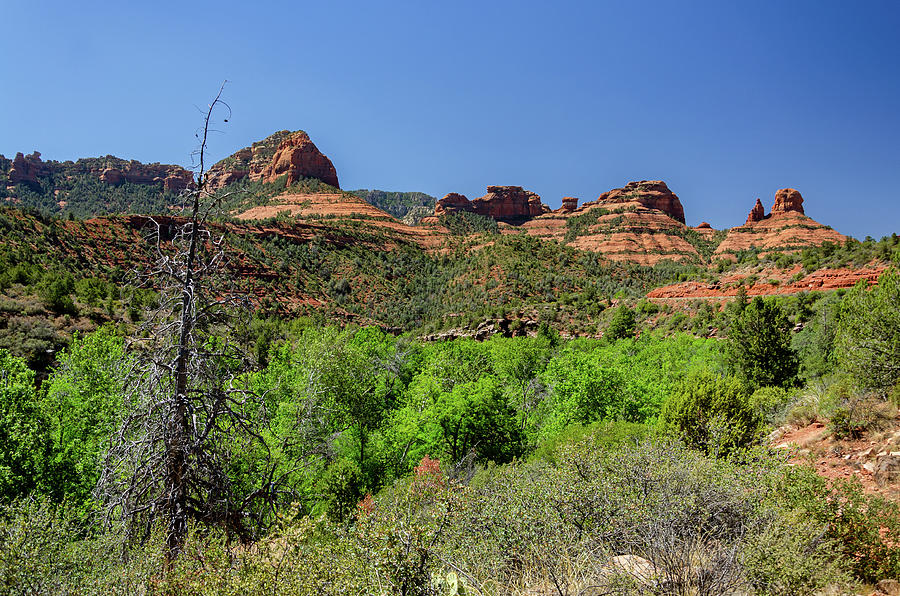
(787, 199)
(503, 203)
(25, 169)
(298, 157)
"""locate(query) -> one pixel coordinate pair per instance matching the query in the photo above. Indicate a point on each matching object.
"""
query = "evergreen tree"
(759, 345)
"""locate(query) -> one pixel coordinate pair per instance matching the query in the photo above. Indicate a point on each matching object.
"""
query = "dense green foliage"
(588, 518)
(759, 345)
(712, 413)
(868, 336)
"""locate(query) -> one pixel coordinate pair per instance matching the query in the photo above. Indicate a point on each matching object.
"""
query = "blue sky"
(725, 101)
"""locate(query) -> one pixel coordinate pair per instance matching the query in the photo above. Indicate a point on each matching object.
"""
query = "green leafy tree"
(759, 345)
(24, 444)
(519, 361)
(815, 342)
(476, 417)
(82, 405)
(584, 390)
(868, 336)
(622, 324)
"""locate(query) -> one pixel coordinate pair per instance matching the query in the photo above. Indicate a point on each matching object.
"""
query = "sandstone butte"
(283, 153)
(785, 229)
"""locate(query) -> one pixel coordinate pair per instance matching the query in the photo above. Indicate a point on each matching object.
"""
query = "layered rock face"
(298, 157)
(787, 199)
(285, 152)
(503, 203)
(653, 194)
(785, 229)
(508, 203)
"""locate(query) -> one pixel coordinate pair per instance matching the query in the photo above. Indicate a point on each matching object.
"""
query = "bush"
(770, 403)
(342, 488)
(712, 413)
(56, 292)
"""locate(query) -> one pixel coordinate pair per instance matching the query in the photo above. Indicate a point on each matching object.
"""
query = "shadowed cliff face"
(503, 203)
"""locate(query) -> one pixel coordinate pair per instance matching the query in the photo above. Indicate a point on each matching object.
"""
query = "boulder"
(569, 204)
(888, 587)
(758, 213)
(653, 194)
(887, 470)
(787, 199)
(704, 225)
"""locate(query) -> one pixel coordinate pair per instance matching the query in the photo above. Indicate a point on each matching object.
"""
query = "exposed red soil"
(727, 287)
(843, 459)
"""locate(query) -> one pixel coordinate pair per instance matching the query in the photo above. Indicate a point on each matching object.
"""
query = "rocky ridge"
(32, 171)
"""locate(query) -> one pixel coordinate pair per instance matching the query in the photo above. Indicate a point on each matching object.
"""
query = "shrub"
(770, 403)
(622, 324)
(712, 413)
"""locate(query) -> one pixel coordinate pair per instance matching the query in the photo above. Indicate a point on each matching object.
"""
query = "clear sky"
(725, 101)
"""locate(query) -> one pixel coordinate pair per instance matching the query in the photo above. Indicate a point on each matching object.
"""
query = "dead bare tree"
(190, 422)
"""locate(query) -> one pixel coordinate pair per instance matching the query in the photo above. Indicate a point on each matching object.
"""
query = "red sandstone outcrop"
(116, 172)
(508, 203)
(503, 203)
(704, 225)
(787, 199)
(726, 287)
(282, 153)
(298, 157)
(653, 194)
(452, 203)
(786, 229)
(112, 176)
(569, 204)
(758, 213)
(25, 169)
